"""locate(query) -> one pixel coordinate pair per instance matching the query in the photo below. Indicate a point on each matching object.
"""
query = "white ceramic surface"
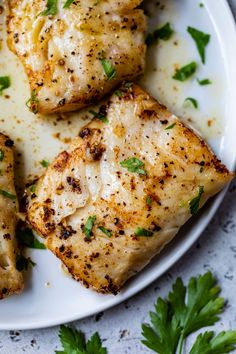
(50, 296)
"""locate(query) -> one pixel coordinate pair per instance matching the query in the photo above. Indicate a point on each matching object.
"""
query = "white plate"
(51, 297)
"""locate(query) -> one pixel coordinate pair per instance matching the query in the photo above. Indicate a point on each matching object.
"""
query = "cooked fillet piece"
(11, 280)
(78, 55)
(120, 193)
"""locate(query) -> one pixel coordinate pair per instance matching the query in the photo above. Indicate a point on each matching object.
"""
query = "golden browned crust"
(11, 280)
(93, 182)
(62, 54)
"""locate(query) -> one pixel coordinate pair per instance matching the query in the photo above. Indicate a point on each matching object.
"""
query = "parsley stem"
(181, 343)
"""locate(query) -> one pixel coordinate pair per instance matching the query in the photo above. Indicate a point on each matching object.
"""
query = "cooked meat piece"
(78, 55)
(120, 193)
(11, 280)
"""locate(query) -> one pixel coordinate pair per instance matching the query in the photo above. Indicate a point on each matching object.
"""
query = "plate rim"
(188, 243)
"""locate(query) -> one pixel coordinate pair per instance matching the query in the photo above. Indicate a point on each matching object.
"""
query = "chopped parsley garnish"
(89, 226)
(99, 115)
(170, 126)
(164, 33)
(149, 200)
(5, 82)
(44, 163)
(108, 68)
(185, 72)
(134, 165)
(105, 231)
(23, 263)
(201, 39)
(7, 194)
(32, 188)
(51, 8)
(73, 342)
(1, 155)
(67, 4)
(32, 102)
(143, 232)
(193, 101)
(204, 82)
(186, 310)
(27, 238)
(128, 85)
(118, 93)
(195, 202)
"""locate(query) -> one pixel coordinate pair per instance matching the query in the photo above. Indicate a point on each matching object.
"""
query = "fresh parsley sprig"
(206, 343)
(73, 342)
(187, 310)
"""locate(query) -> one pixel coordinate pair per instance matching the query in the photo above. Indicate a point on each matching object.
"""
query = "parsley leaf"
(44, 163)
(108, 68)
(23, 263)
(202, 306)
(94, 345)
(149, 200)
(89, 226)
(170, 126)
(143, 232)
(5, 82)
(105, 231)
(195, 202)
(118, 93)
(51, 8)
(193, 101)
(186, 310)
(99, 115)
(134, 165)
(204, 82)
(73, 342)
(67, 4)
(163, 33)
(185, 72)
(201, 39)
(1, 155)
(32, 102)
(27, 238)
(163, 336)
(206, 343)
(7, 194)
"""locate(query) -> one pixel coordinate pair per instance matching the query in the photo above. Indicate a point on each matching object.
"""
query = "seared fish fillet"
(11, 280)
(78, 55)
(120, 193)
